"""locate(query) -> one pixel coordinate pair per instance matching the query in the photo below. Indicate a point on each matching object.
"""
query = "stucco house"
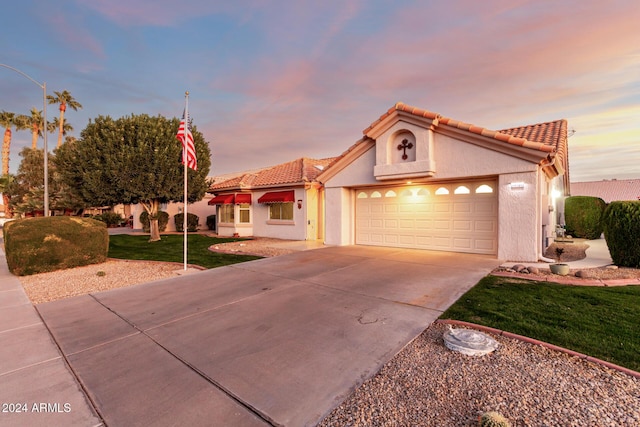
(418, 179)
(283, 201)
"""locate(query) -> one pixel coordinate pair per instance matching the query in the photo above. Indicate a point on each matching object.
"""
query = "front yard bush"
(39, 245)
(112, 219)
(192, 222)
(583, 216)
(163, 220)
(621, 222)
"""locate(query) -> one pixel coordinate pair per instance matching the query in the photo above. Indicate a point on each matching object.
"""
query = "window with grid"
(282, 211)
(226, 213)
(245, 213)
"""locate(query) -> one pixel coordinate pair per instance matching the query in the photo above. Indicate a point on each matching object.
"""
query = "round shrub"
(39, 245)
(621, 221)
(192, 221)
(112, 219)
(163, 220)
(583, 216)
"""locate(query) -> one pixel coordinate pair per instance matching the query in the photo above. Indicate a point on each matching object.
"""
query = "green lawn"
(171, 248)
(601, 322)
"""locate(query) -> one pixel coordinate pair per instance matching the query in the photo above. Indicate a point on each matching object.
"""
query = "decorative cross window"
(404, 146)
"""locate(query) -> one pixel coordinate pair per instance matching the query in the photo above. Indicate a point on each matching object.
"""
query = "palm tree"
(65, 100)
(36, 121)
(8, 119)
(54, 125)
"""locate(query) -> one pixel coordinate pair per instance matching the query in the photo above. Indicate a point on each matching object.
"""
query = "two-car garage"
(457, 217)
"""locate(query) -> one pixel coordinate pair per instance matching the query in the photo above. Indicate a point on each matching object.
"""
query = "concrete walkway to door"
(276, 341)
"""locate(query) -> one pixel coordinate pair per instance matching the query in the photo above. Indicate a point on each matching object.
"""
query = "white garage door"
(460, 217)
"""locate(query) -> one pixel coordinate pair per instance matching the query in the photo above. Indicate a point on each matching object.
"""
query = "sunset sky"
(271, 81)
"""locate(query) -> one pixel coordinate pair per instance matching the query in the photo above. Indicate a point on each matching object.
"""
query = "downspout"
(540, 256)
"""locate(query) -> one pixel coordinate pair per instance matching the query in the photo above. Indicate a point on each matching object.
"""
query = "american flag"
(188, 148)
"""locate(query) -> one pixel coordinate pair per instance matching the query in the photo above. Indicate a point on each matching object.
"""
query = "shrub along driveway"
(273, 341)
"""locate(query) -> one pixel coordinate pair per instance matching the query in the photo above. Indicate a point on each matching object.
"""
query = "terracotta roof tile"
(542, 137)
(608, 190)
(296, 171)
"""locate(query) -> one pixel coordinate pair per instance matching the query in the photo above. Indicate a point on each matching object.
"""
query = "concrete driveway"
(276, 341)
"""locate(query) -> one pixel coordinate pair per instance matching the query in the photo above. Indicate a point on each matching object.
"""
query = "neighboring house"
(420, 180)
(608, 190)
(283, 201)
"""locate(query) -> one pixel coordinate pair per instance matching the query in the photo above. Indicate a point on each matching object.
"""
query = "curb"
(522, 338)
(568, 281)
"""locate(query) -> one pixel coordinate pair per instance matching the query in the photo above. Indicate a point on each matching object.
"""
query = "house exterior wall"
(519, 210)
(200, 208)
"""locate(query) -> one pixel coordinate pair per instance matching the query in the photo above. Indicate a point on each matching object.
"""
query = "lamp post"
(43, 86)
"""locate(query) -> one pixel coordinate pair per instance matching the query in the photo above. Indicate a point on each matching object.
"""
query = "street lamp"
(43, 86)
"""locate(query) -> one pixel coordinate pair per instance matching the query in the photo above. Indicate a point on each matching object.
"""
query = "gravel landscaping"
(427, 384)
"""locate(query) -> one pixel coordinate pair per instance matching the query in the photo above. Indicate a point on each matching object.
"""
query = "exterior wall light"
(300, 204)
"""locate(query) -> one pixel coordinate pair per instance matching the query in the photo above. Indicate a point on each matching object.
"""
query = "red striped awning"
(277, 197)
(243, 198)
(223, 199)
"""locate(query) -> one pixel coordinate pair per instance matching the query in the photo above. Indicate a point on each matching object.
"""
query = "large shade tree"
(134, 159)
(27, 187)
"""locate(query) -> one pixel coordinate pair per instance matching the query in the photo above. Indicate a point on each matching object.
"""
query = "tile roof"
(543, 137)
(608, 190)
(549, 138)
(297, 171)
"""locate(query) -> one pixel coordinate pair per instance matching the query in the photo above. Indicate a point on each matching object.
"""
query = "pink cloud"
(73, 32)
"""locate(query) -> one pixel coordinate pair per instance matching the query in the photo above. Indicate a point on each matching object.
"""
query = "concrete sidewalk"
(37, 388)
(276, 341)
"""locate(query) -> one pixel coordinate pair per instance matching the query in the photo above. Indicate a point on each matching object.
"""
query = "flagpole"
(184, 158)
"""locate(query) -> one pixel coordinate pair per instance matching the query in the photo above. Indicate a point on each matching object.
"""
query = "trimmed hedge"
(192, 221)
(163, 220)
(583, 215)
(621, 222)
(40, 245)
(112, 219)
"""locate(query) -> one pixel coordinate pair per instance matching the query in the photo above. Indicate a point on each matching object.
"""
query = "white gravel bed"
(427, 384)
(45, 287)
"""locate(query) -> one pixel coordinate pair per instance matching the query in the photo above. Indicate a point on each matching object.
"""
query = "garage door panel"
(462, 225)
(488, 226)
(463, 244)
(405, 224)
(415, 217)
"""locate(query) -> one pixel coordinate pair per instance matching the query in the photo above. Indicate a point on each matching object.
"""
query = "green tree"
(27, 187)
(134, 159)
(65, 100)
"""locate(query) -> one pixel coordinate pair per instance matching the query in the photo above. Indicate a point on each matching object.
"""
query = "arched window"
(461, 190)
(390, 193)
(376, 195)
(441, 191)
(362, 195)
(483, 189)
